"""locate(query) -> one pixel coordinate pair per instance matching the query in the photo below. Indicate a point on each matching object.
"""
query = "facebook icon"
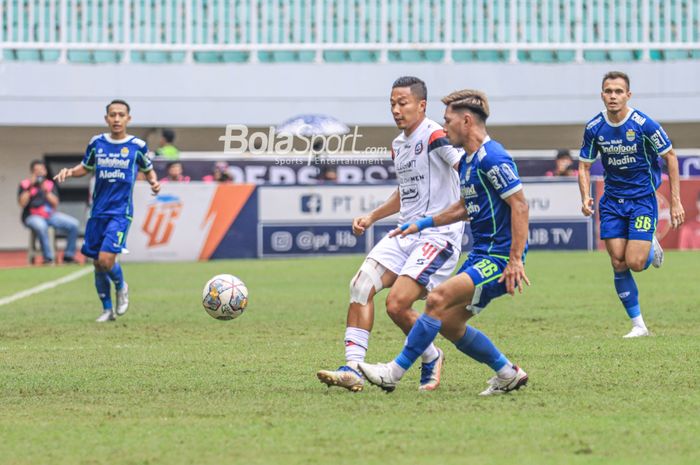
(311, 203)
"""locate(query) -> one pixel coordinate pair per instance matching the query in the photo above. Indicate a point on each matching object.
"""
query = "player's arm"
(452, 214)
(152, 179)
(584, 185)
(514, 273)
(391, 206)
(587, 156)
(677, 212)
(77, 171)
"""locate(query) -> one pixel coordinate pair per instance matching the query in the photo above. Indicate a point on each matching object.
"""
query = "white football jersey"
(428, 182)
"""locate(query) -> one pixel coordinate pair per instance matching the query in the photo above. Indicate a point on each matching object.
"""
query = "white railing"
(370, 25)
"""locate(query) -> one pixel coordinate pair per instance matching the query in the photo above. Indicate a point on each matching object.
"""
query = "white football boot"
(498, 385)
(658, 259)
(123, 299)
(637, 332)
(107, 315)
(380, 375)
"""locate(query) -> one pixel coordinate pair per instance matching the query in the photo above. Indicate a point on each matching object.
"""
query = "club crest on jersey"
(419, 147)
(124, 151)
(601, 138)
(630, 135)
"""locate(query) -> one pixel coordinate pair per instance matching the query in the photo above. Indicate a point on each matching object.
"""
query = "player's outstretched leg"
(508, 377)
(627, 256)
(103, 286)
(370, 279)
(122, 288)
(404, 293)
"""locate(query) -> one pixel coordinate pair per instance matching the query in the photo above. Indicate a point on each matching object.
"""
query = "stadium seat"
(595, 55)
(50, 55)
(623, 55)
(28, 55)
(80, 56)
(106, 56)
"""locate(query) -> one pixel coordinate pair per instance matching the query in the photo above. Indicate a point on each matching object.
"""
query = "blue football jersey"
(629, 151)
(487, 178)
(115, 164)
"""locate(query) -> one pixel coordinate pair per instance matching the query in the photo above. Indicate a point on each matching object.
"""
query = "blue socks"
(627, 291)
(104, 289)
(116, 275)
(103, 284)
(476, 345)
(419, 338)
(650, 258)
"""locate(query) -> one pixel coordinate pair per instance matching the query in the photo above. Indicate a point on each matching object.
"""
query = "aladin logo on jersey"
(160, 219)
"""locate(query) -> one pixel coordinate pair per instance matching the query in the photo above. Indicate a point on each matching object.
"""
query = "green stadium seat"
(676, 54)
(207, 57)
(80, 56)
(363, 56)
(50, 55)
(537, 56)
(235, 57)
(336, 56)
(9, 55)
(623, 55)
(565, 56)
(28, 55)
(595, 55)
(106, 56)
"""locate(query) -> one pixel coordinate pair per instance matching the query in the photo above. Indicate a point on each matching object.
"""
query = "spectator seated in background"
(689, 233)
(175, 173)
(38, 198)
(563, 165)
(166, 149)
(219, 174)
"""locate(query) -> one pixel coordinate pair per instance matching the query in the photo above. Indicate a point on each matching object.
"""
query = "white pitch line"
(45, 286)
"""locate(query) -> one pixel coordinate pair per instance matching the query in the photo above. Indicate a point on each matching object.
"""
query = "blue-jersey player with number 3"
(630, 144)
(492, 200)
(115, 158)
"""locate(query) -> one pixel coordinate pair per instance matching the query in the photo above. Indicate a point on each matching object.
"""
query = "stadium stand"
(275, 31)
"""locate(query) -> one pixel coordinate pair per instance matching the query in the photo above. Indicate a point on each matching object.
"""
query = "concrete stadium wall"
(260, 94)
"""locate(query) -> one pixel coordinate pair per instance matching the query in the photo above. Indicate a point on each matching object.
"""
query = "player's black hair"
(616, 75)
(563, 153)
(171, 164)
(35, 162)
(119, 101)
(418, 87)
(168, 135)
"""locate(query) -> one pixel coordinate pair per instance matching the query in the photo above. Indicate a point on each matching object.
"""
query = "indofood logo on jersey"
(160, 219)
(469, 192)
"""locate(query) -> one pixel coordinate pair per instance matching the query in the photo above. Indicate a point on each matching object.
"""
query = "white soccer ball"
(225, 297)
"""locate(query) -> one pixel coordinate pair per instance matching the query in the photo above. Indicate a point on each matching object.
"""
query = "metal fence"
(444, 27)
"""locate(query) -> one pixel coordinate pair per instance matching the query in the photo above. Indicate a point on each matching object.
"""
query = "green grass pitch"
(167, 384)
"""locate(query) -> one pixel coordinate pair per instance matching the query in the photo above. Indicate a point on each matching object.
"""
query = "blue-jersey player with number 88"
(629, 143)
(492, 200)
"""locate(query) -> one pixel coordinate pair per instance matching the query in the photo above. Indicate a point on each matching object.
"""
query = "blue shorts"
(484, 270)
(633, 219)
(105, 235)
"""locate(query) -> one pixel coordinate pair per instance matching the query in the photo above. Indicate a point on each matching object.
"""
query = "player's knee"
(618, 264)
(636, 264)
(435, 304)
(397, 306)
(367, 282)
(103, 265)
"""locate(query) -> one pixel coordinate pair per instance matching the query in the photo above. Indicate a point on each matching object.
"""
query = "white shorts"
(429, 260)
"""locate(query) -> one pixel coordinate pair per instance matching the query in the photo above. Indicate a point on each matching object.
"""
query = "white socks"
(638, 321)
(356, 342)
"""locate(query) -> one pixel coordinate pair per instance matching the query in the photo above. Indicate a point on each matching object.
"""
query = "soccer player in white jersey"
(630, 144)
(115, 158)
(492, 200)
(411, 266)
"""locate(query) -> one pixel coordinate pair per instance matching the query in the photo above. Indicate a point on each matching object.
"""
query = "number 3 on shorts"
(487, 267)
(642, 223)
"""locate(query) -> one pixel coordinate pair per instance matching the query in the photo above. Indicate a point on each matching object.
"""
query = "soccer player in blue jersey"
(493, 202)
(630, 144)
(115, 158)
